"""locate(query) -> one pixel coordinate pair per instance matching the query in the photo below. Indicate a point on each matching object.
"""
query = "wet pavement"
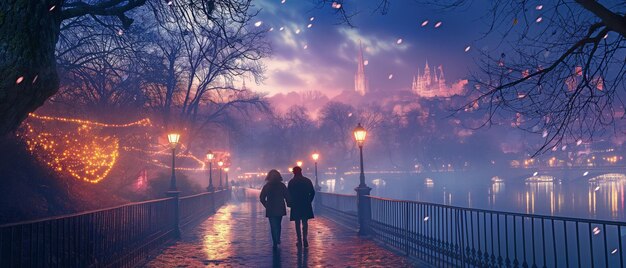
(238, 236)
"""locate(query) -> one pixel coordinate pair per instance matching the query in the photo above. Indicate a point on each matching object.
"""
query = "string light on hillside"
(80, 154)
(143, 122)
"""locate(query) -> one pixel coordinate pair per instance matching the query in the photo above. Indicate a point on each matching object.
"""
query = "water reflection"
(602, 197)
(216, 242)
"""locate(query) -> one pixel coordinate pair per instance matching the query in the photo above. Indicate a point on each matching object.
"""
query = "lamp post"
(363, 201)
(226, 169)
(173, 139)
(173, 192)
(210, 157)
(316, 156)
(299, 163)
(220, 163)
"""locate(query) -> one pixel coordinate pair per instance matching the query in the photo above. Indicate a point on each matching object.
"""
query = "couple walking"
(298, 195)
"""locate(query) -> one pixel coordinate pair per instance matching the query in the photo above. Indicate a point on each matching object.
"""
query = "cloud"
(373, 45)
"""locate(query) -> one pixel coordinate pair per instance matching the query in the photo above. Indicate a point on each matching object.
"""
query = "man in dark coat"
(301, 193)
(273, 197)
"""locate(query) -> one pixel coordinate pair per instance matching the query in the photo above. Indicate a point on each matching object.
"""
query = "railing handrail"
(345, 195)
(196, 195)
(83, 213)
(517, 214)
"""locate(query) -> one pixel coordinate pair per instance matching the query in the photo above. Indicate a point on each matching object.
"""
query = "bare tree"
(206, 55)
(29, 31)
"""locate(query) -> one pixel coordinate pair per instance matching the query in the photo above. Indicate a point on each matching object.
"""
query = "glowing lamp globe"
(299, 163)
(226, 169)
(173, 138)
(359, 134)
(210, 155)
(220, 163)
(315, 156)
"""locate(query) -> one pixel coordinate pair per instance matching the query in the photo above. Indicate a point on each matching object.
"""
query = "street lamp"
(299, 163)
(210, 157)
(363, 202)
(359, 136)
(316, 156)
(173, 138)
(226, 171)
(220, 163)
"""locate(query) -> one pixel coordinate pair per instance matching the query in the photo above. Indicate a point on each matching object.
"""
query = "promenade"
(238, 236)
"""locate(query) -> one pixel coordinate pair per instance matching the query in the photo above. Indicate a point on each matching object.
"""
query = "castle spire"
(360, 81)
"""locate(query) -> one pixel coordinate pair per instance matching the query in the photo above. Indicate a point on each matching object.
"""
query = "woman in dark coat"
(273, 197)
(301, 192)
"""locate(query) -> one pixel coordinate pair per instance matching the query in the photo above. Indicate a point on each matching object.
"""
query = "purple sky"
(328, 62)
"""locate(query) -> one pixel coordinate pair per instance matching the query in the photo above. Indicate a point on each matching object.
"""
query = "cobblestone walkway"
(238, 236)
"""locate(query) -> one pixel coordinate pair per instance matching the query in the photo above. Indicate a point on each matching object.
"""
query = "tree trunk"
(28, 34)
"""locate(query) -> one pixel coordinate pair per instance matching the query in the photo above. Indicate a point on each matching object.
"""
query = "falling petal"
(539, 7)
(366, 62)
(350, 114)
(606, 36)
(281, 28)
(596, 189)
(554, 149)
(169, 3)
(35, 79)
(283, 1)
(19, 80)
(390, 76)
(258, 23)
(310, 25)
(538, 20)
(271, 29)
(297, 31)
(544, 134)
(336, 5)
(311, 18)
(437, 24)
(564, 147)
(426, 218)
(425, 23)
(52, 8)
(120, 32)
(467, 48)
(535, 174)
(614, 251)
(596, 230)
(586, 173)
(579, 142)
(305, 46)
(399, 41)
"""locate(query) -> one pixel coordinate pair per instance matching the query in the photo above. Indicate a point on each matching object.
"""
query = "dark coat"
(273, 197)
(301, 193)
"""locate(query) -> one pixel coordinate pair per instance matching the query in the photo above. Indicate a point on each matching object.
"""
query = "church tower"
(360, 81)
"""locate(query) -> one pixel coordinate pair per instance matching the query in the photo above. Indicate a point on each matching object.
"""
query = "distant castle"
(429, 85)
(360, 81)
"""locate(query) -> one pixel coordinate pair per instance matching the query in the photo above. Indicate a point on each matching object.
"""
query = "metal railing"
(448, 236)
(339, 207)
(122, 236)
(455, 236)
(198, 206)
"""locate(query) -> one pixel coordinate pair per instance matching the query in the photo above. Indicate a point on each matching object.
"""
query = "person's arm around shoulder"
(263, 196)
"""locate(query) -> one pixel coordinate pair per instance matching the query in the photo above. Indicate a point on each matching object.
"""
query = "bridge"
(227, 228)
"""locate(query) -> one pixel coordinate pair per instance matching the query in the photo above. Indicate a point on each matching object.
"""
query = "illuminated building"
(429, 84)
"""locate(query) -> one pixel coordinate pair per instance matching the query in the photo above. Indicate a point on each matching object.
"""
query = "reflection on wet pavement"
(238, 235)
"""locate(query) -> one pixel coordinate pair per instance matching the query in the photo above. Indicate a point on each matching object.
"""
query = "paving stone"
(238, 235)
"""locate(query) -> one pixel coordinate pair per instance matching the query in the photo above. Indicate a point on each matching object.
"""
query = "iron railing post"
(176, 224)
